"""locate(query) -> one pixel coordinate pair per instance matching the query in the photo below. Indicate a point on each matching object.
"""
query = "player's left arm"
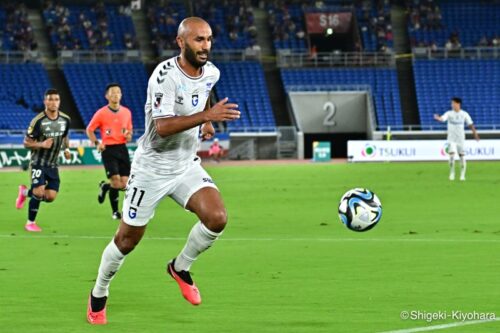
(129, 131)
(470, 124)
(207, 129)
(474, 132)
(67, 153)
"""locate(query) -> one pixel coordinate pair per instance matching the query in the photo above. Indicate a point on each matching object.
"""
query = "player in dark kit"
(47, 134)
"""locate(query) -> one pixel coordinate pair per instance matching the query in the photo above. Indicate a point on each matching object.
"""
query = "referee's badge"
(158, 97)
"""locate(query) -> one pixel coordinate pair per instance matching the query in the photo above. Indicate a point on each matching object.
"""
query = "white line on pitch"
(443, 326)
(256, 239)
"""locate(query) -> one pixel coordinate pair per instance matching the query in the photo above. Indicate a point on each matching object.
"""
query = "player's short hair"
(457, 100)
(111, 85)
(50, 91)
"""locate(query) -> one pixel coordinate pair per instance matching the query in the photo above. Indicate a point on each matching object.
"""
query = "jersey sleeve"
(68, 124)
(444, 117)
(33, 131)
(163, 95)
(95, 122)
(468, 120)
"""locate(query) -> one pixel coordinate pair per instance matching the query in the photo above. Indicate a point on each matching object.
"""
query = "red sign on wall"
(317, 23)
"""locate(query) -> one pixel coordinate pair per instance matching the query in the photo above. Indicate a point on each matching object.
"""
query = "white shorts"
(456, 147)
(145, 190)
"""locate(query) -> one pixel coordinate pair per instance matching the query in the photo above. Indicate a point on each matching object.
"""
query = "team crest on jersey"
(108, 131)
(158, 98)
(194, 100)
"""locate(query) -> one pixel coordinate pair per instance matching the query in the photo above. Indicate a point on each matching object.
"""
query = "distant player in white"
(165, 163)
(457, 119)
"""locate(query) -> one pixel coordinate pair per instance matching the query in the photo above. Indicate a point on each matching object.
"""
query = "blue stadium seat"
(88, 81)
(244, 84)
(471, 20)
(21, 93)
(118, 25)
(477, 82)
(383, 83)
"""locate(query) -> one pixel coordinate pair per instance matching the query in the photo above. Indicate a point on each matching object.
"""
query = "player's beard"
(190, 55)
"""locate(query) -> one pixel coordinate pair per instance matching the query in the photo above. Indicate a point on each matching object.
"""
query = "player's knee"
(217, 220)
(39, 192)
(116, 184)
(125, 244)
(49, 198)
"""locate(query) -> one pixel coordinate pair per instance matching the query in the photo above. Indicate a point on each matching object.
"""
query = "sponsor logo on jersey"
(53, 134)
(158, 98)
(107, 131)
(194, 100)
(179, 100)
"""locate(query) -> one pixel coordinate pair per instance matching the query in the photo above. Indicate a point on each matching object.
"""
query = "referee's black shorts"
(116, 160)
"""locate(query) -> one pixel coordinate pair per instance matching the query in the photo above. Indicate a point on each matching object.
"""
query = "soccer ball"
(360, 209)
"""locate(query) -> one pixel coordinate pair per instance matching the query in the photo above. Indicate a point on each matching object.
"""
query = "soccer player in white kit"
(457, 119)
(165, 163)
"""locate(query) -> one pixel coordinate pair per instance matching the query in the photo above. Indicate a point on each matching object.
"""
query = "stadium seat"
(244, 84)
(475, 81)
(21, 93)
(383, 83)
(118, 25)
(88, 81)
(471, 20)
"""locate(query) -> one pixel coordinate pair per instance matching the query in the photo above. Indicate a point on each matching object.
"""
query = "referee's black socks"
(114, 198)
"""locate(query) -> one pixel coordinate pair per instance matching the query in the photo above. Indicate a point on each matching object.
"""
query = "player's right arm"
(32, 144)
(94, 124)
(30, 140)
(221, 111)
(168, 123)
(442, 118)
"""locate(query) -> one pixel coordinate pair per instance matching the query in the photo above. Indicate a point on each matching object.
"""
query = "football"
(360, 209)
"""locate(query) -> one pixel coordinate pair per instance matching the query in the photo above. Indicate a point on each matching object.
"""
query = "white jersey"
(456, 122)
(171, 93)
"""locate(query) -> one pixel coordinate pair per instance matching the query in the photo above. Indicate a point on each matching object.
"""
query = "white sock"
(200, 239)
(463, 166)
(111, 261)
(452, 165)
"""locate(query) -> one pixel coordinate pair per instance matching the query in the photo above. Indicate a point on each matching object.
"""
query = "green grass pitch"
(284, 264)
